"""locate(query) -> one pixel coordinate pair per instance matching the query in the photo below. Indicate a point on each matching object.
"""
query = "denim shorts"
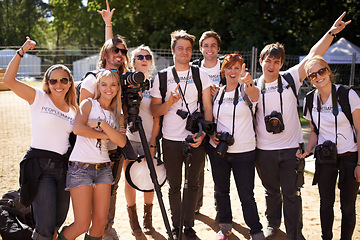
(77, 176)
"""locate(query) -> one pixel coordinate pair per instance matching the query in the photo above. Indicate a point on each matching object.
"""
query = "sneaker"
(175, 232)
(257, 236)
(270, 233)
(223, 235)
(190, 233)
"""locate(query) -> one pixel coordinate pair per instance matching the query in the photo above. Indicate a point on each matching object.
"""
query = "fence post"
(253, 62)
(352, 71)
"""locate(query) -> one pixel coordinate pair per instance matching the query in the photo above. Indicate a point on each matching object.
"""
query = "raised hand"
(28, 45)
(107, 14)
(339, 24)
(174, 95)
(245, 77)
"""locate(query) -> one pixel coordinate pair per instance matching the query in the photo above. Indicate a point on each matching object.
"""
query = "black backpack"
(16, 221)
(342, 98)
(78, 87)
(197, 62)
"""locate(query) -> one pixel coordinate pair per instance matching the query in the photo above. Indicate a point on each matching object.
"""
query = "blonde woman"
(52, 111)
(89, 177)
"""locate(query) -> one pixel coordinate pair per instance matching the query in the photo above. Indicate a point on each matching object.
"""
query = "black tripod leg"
(182, 215)
(153, 175)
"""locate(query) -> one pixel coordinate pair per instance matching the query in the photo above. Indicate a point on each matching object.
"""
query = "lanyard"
(280, 90)
(177, 80)
(235, 102)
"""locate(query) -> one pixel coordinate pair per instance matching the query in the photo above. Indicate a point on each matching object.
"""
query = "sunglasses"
(230, 56)
(321, 72)
(117, 50)
(54, 81)
(109, 69)
(141, 57)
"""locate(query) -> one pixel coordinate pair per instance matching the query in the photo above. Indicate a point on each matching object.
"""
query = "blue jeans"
(243, 167)
(276, 169)
(51, 203)
(348, 193)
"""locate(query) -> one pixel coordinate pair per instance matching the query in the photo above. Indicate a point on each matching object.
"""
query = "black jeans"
(173, 160)
(243, 167)
(348, 192)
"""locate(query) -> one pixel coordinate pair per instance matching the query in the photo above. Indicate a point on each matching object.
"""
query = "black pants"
(348, 192)
(173, 160)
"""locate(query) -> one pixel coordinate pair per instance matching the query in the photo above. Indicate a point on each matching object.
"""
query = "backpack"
(16, 221)
(342, 98)
(78, 87)
(197, 63)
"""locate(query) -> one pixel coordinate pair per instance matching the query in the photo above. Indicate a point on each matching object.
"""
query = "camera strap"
(177, 80)
(235, 102)
(335, 110)
(280, 90)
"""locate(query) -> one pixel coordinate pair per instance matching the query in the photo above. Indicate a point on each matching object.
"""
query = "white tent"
(84, 65)
(30, 65)
(341, 52)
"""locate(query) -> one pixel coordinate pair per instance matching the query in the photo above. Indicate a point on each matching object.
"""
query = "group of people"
(257, 127)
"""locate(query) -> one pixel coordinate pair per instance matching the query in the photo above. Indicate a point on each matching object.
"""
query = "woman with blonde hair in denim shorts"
(89, 177)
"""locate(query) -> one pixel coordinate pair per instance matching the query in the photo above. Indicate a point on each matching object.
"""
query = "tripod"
(138, 126)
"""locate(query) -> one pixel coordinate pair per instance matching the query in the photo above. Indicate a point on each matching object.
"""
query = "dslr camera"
(197, 118)
(131, 95)
(326, 153)
(274, 122)
(225, 140)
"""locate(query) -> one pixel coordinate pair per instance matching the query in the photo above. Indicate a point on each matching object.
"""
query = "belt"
(347, 154)
(52, 163)
(96, 166)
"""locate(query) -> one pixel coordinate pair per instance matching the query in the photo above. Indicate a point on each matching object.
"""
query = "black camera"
(274, 122)
(225, 140)
(132, 78)
(326, 153)
(183, 114)
(197, 118)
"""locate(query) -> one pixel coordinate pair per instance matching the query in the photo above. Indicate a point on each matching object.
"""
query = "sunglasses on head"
(321, 72)
(141, 57)
(230, 56)
(109, 69)
(54, 81)
(117, 50)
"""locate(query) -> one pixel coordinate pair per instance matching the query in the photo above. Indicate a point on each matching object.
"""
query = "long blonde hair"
(70, 96)
(115, 105)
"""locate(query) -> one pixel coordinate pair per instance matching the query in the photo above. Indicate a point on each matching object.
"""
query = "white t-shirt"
(50, 126)
(89, 83)
(87, 149)
(173, 125)
(146, 117)
(345, 134)
(214, 72)
(292, 134)
(244, 134)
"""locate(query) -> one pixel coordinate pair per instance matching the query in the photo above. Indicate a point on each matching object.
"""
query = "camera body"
(196, 118)
(274, 122)
(326, 153)
(225, 140)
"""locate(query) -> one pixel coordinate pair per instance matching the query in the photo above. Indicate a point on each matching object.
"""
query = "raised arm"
(21, 89)
(250, 89)
(107, 16)
(323, 44)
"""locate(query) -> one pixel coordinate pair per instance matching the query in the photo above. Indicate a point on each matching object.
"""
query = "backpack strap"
(78, 87)
(163, 83)
(248, 102)
(290, 80)
(309, 103)
(222, 79)
(196, 77)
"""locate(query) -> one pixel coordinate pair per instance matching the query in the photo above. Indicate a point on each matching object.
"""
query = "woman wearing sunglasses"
(233, 147)
(89, 178)
(52, 111)
(325, 125)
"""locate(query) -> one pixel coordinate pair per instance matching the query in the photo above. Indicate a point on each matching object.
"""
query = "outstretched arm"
(21, 89)
(107, 16)
(323, 44)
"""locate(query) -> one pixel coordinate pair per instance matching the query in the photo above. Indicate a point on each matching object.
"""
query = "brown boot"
(148, 228)
(133, 219)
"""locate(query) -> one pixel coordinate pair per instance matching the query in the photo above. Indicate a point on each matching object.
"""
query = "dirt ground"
(15, 138)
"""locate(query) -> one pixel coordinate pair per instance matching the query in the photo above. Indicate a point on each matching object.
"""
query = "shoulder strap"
(309, 103)
(196, 62)
(222, 79)
(163, 83)
(78, 87)
(290, 80)
(196, 77)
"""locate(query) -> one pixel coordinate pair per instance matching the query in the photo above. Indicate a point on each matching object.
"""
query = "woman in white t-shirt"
(326, 125)
(233, 147)
(52, 116)
(89, 176)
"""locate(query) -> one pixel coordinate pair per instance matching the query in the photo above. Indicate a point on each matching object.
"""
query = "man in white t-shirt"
(276, 148)
(183, 97)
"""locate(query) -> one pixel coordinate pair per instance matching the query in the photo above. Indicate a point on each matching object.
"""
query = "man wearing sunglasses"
(276, 147)
(182, 94)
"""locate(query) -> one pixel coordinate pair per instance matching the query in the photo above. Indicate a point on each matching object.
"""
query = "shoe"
(257, 236)
(134, 223)
(223, 235)
(148, 227)
(112, 235)
(270, 233)
(190, 233)
(175, 233)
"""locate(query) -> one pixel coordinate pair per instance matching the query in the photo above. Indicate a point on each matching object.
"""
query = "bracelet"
(331, 34)
(99, 122)
(18, 53)
(152, 146)
(169, 103)
(108, 25)
(358, 163)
